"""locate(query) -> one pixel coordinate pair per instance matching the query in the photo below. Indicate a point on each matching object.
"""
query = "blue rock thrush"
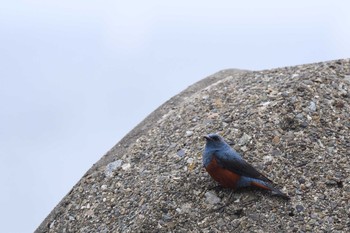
(228, 168)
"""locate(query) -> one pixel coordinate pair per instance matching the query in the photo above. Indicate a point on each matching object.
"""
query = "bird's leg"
(216, 187)
(229, 202)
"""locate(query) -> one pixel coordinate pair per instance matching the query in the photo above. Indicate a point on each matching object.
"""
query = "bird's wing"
(237, 165)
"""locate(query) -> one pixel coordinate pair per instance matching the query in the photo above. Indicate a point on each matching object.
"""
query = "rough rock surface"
(291, 123)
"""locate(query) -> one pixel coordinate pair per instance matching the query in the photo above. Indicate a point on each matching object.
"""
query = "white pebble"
(212, 198)
(126, 166)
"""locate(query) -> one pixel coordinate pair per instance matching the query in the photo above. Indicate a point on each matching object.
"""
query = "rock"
(167, 217)
(164, 187)
(244, 139)
(312, 106)
(299, 208)
(181, 153)
(211, 198)
(299, 116)
(276, 140)
(267, 158)
(52, 224)
(276, 153)
(304, 124)
(244, 148)
(254, 216)
(189, 133)
(185, 208)
(111, 167)
(293, 99)
(189, 160)
(126, 166)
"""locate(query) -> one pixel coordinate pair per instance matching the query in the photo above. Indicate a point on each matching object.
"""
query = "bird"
(230, 170)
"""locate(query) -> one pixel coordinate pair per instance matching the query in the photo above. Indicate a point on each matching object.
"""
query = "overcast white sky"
(76, 76)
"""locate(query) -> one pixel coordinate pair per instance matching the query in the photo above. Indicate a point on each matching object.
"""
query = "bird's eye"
(215, 138)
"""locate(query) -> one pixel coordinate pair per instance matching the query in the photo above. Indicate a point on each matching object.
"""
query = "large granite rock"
(291, 123)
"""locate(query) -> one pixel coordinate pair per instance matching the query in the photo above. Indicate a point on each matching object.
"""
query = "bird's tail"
(267, 186)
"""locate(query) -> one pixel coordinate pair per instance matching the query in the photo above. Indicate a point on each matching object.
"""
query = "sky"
(77, 76)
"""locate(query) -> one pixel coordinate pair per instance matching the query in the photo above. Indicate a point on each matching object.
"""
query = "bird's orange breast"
(223, 176)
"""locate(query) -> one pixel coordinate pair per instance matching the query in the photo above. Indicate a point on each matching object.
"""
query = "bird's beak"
(206, 137)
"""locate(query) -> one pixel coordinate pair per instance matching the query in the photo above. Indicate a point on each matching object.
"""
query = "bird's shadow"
(254, 193)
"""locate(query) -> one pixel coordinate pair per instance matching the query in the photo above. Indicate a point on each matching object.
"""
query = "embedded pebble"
(211, 198)
(312, 106)
(181, 153)
(189, 133)
(299, 208)
(126, 166)
(267, 158)
(244, 139)
(190, 160)
(347, 78)
(111, 167)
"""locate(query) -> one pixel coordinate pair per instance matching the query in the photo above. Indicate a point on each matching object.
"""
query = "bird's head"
(215, 141)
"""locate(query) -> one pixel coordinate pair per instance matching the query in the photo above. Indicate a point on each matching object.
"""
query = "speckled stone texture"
(291, 123)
